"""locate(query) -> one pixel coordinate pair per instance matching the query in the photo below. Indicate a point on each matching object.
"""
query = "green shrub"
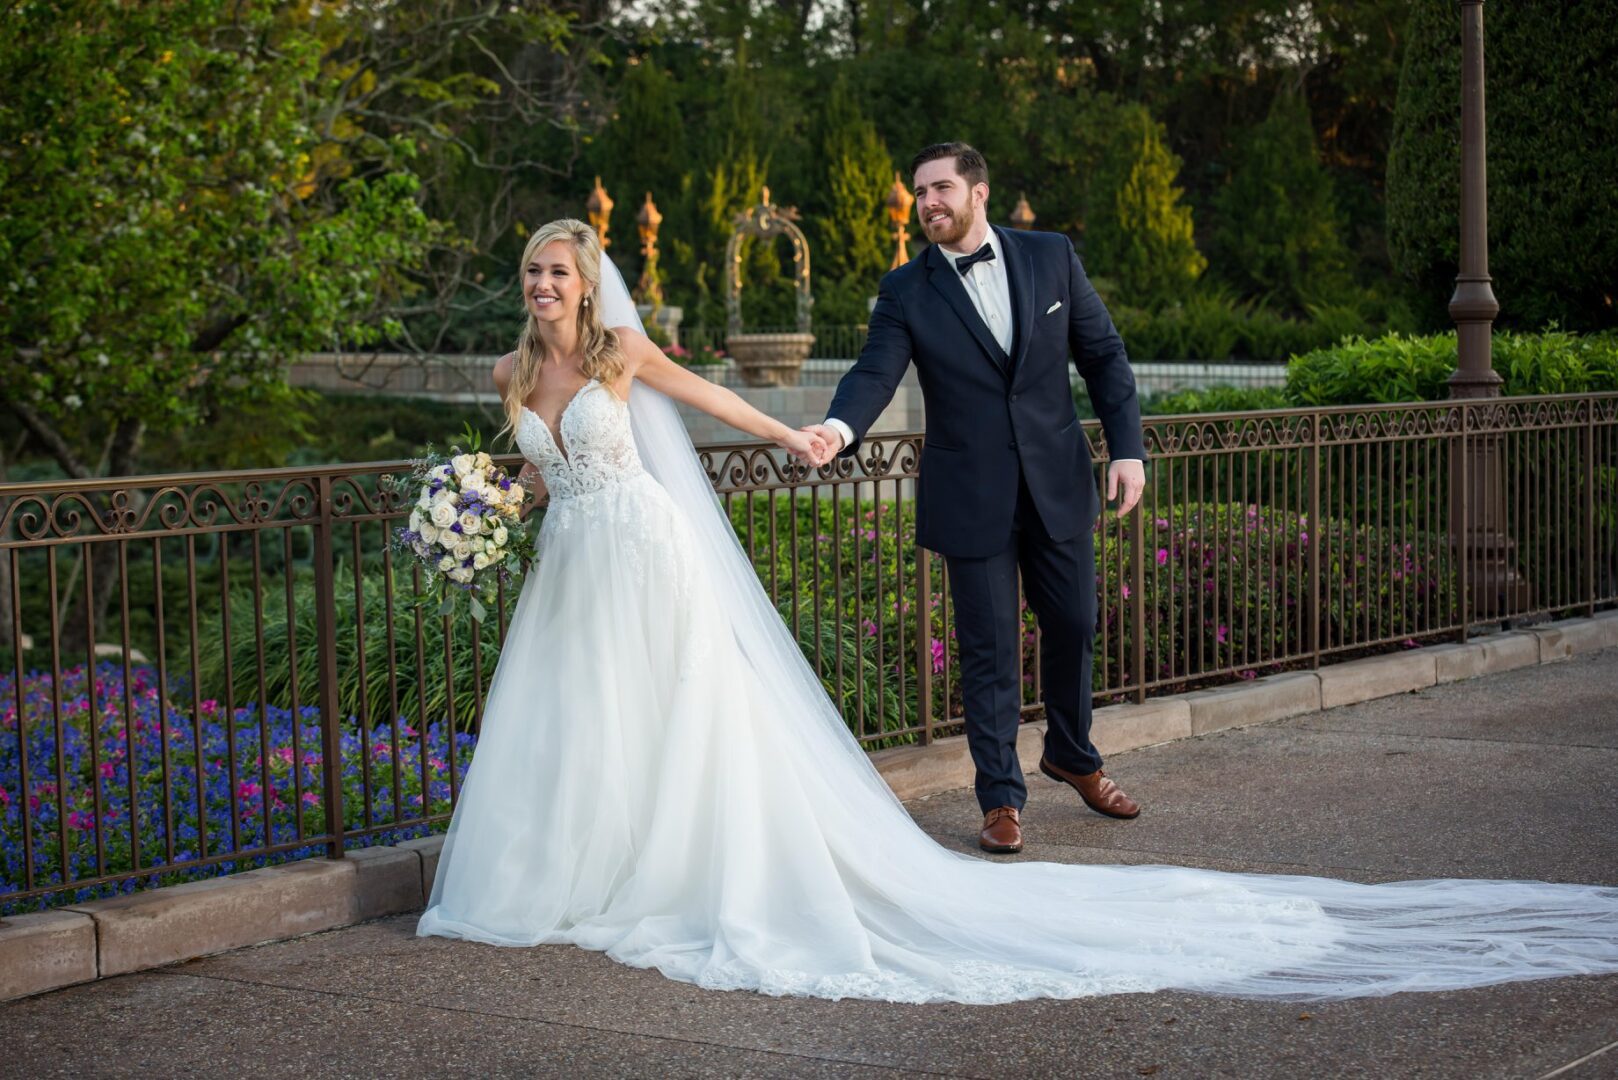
(1211, 324)
(1397, 367)
(423, 691)
(1227, 586)
(1216, 399)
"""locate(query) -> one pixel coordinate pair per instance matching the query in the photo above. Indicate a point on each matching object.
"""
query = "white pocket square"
(1053, 307)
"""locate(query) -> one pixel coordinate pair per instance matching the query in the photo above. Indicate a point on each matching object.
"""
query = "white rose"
(515, 494)
(500, 535)
(483, 460)
(479, 562)
(462, 550)
(473, 485)
(462, 464)
(464, 574)
(426, 493)
(444, 472)
(443, 515)
(471, 524)
(428, 532)
(447, 563)
(415, 521)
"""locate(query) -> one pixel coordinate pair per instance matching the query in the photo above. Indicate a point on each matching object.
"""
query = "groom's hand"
(829, 437)
(1125, 482)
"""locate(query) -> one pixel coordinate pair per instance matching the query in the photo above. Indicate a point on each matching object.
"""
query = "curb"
(79, 943)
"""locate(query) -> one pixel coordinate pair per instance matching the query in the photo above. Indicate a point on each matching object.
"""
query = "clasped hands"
(813, 445)
(819, 443)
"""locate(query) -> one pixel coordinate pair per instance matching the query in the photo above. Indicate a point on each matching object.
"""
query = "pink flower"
(938, 656)
(107, 769)
(1126, 590)
(1162, 556)
(210, 706)
(311, 799)
(1224, 633)
(247, 790)
(81, 821)
(870, 628)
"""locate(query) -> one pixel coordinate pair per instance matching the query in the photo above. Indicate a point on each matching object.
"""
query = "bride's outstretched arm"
(647, 362)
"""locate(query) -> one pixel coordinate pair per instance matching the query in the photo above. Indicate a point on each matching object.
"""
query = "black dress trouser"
(1058, 577)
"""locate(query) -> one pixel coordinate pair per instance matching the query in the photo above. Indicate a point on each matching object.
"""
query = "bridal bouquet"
(466, 526)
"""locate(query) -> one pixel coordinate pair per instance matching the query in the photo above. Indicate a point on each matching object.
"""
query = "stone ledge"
(1376, 676)
(179, 922)
(1259, 701)
(1485, 656)
(426, 849)
(46, 950)
(387, 880)
(1573, 637)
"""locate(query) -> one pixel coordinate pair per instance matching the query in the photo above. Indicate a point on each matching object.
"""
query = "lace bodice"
(597, 448)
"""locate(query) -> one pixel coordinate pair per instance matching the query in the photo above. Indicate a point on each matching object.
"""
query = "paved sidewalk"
(1515, 775)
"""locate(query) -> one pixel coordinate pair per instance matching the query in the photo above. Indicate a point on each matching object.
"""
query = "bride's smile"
(552, 286)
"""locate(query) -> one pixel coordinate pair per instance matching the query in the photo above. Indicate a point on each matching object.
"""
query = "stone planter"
(769, 359)
(665, 318)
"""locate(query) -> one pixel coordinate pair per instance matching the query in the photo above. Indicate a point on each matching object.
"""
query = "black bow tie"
(982, 254)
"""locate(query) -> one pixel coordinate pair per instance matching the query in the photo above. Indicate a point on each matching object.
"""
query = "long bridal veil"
(936, 925)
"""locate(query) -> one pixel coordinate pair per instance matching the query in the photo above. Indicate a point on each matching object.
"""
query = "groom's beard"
(953, 229)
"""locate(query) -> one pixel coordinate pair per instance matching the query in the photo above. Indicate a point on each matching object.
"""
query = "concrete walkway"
(1513, 775)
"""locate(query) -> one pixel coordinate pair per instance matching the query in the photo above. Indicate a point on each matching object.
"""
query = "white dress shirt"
(990, 291)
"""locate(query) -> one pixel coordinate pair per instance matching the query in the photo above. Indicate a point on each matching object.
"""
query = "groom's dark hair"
(968, 162)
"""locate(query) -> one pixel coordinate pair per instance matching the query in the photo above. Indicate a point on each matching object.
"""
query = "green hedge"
(1411, 368)
(1211, 324)
(1553, 206)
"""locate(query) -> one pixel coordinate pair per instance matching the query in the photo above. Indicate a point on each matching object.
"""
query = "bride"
(661, 777)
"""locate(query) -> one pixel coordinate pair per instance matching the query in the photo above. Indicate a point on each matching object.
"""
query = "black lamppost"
(1473, 307)
(1490, 582)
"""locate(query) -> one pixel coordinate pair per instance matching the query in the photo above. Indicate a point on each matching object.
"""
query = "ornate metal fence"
(196, 667)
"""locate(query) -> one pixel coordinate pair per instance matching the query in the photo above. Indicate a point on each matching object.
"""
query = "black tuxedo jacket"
(995, 420)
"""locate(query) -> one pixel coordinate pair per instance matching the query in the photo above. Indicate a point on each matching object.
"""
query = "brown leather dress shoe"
(1002, 832)
(1096, 789)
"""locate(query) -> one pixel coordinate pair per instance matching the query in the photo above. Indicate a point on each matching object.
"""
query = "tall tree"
(1278, 233)
(1553, 207)
(848, 228)
(1143, 241)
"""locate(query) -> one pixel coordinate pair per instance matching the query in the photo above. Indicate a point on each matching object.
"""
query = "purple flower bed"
(259, 780)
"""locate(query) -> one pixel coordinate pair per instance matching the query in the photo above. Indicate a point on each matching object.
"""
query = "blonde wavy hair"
(603, 353)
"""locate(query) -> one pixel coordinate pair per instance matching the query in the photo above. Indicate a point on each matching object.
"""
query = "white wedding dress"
(661, 777)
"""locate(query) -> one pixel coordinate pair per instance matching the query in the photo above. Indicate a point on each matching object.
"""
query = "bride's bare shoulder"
(637, 347)
(632, 340)
(502, 372)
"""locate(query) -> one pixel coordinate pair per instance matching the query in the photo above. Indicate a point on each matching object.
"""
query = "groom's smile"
(946, 205)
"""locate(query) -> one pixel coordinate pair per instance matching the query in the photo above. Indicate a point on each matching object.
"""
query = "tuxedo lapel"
(947, 280)
(1020, 276)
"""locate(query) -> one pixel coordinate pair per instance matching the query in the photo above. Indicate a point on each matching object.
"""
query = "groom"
(988, 317)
